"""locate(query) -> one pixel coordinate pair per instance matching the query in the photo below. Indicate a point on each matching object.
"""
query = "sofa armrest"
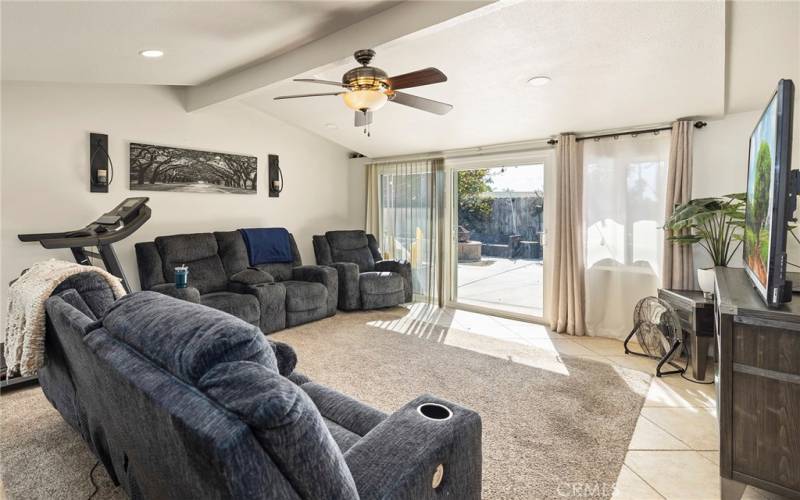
(287, 358)
(251, 276)
(401, 267)
(349, 292)
(328, 276)
(271, 300)
(400, 457)
(189, 293)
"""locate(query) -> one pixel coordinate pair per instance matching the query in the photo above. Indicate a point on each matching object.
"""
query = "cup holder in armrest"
(434, 411)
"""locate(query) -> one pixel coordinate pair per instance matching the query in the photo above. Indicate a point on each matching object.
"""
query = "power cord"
(91, 479)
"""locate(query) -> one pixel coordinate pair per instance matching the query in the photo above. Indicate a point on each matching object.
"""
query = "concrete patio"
(509, 285)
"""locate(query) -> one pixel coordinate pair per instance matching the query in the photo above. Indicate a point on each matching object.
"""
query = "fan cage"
(658, 332)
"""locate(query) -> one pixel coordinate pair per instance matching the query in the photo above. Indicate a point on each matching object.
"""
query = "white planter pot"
(706, 280)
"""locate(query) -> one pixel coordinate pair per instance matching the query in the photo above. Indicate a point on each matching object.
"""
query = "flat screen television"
(771, 198)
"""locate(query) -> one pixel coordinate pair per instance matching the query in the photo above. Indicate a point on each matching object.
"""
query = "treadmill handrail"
(58, 240)
(44, 236)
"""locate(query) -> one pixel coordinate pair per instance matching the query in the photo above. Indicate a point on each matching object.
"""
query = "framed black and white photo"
(164, 168)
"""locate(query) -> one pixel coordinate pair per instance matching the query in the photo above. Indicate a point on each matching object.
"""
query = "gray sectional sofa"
(178, 400)
(366, 279)
(271, 296)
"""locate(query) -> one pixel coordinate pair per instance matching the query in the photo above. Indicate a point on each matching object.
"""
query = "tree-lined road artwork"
(163, 168)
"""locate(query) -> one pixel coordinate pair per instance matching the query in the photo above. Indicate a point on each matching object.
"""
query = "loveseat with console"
(273, 295)
(178, 400)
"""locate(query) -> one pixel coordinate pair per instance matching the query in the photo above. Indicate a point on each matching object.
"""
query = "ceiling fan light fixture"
(370, 100)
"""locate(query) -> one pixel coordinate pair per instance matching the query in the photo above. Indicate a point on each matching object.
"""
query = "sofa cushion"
(199, 252)
(344, 438)
(232, 251)
(347, 240)
(279, 271)
(252, 277)
(93, 289)
(351, 246)
(376, 283)
(183, 338)
(379, 301)
(241, 305)
(73, 298)
(287, 424)
(305, 295)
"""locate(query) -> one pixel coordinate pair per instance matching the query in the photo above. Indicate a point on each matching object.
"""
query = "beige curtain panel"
(678, 268)
(405, 212)
(567, 306)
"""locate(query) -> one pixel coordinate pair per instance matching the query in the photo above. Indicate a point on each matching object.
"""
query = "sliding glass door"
(499, 232)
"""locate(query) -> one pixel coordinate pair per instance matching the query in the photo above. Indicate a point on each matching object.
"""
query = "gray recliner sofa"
(366, 279)
(271, 296)
(228, 418)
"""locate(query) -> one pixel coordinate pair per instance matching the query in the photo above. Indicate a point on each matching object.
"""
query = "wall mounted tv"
(771, 198)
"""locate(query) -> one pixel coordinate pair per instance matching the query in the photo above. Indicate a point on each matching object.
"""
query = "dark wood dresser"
(758, 389)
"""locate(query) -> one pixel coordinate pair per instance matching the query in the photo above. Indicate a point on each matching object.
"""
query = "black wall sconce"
(101, 168)
(274, 176)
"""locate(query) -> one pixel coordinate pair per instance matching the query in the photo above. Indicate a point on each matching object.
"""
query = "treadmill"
(113, 226)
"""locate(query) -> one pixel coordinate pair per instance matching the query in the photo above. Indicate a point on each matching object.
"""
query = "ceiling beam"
(398, 21)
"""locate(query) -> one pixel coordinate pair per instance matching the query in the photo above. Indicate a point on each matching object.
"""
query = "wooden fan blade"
(363, 119)
(419, 78)
(306, 95)
(324, 82)
(417, 102)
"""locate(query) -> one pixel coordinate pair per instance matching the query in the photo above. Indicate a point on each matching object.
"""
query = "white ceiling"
(612, 64)
(757, 61)
(99, 42)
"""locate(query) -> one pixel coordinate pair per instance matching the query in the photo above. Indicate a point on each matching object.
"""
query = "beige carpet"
(549, 424)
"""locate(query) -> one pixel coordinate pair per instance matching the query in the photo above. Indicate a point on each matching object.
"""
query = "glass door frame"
(452, 167)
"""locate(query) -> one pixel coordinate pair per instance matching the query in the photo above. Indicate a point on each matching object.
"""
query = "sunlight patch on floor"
(503, 339)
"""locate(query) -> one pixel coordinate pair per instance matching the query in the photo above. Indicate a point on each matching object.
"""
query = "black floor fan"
(658, 331)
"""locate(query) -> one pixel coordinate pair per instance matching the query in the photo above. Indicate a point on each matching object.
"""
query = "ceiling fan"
(368, 88)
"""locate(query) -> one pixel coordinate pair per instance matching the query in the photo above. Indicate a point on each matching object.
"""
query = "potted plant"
(716, 224)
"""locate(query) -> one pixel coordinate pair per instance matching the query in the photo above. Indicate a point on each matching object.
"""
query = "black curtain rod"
(697, 125)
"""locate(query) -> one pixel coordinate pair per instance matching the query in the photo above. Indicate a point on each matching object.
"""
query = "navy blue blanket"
(267, 245)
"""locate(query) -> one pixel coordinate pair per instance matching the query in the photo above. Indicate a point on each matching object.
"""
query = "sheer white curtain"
(624, 196)
(410, 199)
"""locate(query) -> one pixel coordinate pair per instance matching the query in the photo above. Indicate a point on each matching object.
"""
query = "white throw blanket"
(24, 339)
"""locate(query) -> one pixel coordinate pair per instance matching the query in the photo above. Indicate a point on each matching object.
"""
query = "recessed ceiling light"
(539, 81)
(151, 53)
(331, 125)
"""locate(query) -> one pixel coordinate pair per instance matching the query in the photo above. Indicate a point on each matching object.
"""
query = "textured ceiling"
(612, 64)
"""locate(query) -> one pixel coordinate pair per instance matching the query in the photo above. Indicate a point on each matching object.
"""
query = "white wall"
(45, 174)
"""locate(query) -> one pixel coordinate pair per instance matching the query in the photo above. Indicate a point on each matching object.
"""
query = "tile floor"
(673, 453)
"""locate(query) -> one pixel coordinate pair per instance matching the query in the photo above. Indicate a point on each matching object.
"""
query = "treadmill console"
(125, 211)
